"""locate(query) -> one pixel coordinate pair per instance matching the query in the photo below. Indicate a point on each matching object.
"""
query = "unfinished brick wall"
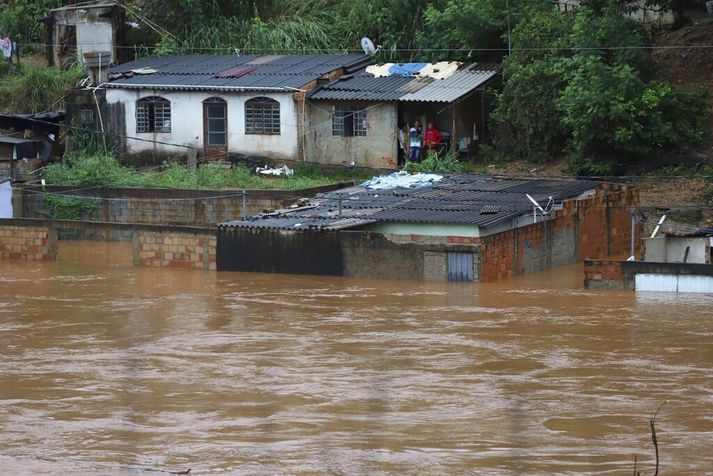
(603, 274)
(595, 227)
(164, 206)
(28, 243)
(175, 250)
(605, 223)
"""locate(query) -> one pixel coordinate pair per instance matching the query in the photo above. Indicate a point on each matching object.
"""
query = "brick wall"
(603, 274)
(175, 250)
(28, 243)
(165, 206)
(595, 227)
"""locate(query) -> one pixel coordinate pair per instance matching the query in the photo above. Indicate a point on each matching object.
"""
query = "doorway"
(215, 128)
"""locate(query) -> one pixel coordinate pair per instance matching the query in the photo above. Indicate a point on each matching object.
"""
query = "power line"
(337, 50)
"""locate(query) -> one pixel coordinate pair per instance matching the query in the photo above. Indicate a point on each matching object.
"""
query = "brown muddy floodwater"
(110, 369)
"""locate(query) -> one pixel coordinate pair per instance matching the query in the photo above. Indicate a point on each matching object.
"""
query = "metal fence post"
(245, 204)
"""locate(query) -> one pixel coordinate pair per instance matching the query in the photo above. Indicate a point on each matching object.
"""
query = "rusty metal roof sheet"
(226, 72)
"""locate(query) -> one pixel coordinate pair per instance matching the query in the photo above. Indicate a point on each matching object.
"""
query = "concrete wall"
(672, 249)
(166, 249)
(27, 242)
(344, 253)
(163, 206)
(377, 149)
(187, 123)
(613, 274)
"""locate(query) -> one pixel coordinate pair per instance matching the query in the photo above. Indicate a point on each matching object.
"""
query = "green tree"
(470, 26)
(20, 19)
(526, 121)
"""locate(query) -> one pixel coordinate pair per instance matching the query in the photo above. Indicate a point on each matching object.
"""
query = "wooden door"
(215, 128)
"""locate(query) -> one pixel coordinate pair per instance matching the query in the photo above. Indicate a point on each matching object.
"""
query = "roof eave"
(181, 87)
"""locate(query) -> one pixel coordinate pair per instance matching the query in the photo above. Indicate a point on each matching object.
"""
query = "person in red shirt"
(432, 137)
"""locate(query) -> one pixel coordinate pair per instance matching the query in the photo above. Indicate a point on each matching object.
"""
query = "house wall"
(681, 277)
(672, 249)
(590, 228)
(344, 253)
(378, 149)
(187, 124)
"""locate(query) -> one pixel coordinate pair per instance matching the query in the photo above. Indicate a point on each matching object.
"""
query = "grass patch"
(104, 170)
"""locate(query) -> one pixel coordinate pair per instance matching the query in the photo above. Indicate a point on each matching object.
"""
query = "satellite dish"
(368, 46)
(534, 202)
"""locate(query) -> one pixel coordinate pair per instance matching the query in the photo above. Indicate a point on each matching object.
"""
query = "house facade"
(159, 108)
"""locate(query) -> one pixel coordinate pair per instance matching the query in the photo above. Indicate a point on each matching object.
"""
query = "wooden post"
(454, 138)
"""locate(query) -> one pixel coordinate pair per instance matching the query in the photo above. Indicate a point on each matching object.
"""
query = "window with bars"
(348, 120)
(86, 114)
(262, 116)
(153, 114)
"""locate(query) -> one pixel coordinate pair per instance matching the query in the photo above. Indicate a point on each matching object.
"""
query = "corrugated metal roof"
(225, 72)
(366, 87)
(456, 199)
(451, 88)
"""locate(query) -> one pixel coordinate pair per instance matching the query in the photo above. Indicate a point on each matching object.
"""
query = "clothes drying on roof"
(440, 70)
(401, 179)
(406, 69)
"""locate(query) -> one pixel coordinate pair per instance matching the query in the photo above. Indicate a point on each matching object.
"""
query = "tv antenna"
(368, 46)
(536, 206)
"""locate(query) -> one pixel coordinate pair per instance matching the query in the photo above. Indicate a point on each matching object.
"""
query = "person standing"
(414, 153)
(433, 137)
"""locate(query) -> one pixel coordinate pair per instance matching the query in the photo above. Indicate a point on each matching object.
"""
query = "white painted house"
(221, 105)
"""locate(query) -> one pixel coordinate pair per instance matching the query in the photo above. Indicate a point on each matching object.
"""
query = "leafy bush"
(436, 163)
(80, 169)
(75, 208)
(20, 19)
(589, 96)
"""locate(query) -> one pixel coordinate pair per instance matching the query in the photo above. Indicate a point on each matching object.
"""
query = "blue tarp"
(406, 69)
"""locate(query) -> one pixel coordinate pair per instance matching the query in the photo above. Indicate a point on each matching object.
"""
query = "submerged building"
(457, 227)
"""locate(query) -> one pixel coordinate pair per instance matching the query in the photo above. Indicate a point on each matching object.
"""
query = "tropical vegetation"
(577, 84)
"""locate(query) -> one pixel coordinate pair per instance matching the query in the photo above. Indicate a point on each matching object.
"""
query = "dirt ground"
(684, 200)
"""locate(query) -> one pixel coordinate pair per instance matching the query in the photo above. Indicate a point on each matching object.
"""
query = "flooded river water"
(110, 369)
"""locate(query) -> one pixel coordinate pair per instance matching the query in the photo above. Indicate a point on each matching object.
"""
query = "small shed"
(88, 27)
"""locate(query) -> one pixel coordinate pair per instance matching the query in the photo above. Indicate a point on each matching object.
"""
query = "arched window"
(153, 114)
(262, 116)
